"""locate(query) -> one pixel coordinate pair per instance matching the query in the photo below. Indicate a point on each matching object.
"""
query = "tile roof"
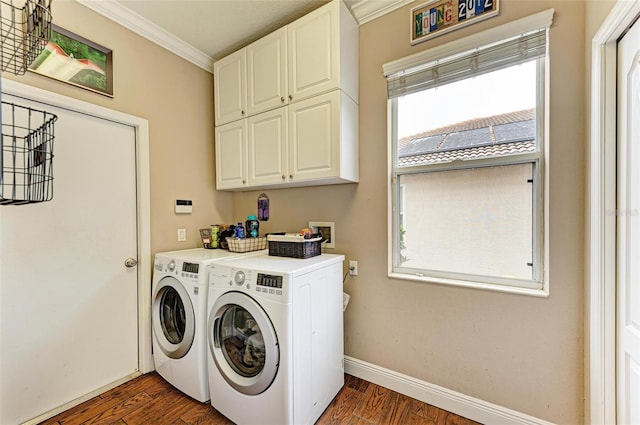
(495, 135)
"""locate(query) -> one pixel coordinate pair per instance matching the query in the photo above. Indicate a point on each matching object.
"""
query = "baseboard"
(452, 401)
(82, 399)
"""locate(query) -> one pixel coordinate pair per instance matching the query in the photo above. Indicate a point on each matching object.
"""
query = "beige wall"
(176, 98)
(520, 352)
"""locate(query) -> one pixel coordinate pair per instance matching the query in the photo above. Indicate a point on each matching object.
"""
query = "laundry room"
(429, 323)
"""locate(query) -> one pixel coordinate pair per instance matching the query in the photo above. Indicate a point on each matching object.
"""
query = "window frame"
(538, 285)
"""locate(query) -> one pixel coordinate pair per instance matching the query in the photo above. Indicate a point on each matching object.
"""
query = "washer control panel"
(269, 284)
(251, 281)
(269, 280)
(185, 270)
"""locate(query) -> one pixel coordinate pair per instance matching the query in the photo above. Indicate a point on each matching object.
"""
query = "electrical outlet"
(353, 267)
(182, 235)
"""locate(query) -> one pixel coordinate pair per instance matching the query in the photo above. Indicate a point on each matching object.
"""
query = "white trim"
(129, 19)
(80, 400)
(533, 22)
(435, 395)
(507, 286)
(601, 388)
(364, 11)
(141, 126)
(368, 10)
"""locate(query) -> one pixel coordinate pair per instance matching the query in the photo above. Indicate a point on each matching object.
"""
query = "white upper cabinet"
(323, 52)
(231, 155)
(292, 98)
(267, 72)
(230, 87)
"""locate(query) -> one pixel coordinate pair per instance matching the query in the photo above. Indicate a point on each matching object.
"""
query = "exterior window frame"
(538, 285)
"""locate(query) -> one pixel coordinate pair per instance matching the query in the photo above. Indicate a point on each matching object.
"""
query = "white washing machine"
(275, 336)
(179, 316)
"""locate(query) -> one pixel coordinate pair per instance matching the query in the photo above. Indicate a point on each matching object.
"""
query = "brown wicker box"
(247, 245)
(303, 248)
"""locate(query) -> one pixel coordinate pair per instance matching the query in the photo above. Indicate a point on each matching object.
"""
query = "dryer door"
(243, 343)
(173, 318)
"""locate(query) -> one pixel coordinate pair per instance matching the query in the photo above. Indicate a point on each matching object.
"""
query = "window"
(467, 160)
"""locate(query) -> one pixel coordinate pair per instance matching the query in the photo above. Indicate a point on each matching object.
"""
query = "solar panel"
(515, 131)
(420, 146)
(467, 139)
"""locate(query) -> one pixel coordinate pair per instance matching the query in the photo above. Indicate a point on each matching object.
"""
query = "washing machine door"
(243, 343)
(173, 318)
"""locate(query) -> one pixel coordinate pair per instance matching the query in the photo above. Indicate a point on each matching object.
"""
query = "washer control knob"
(171, 266)
(239, 277)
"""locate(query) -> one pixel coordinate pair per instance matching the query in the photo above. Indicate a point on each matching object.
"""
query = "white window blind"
(492, 57)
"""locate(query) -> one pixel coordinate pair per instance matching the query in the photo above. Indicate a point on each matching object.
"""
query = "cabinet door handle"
(290, 97)
(243, 181)
(291, 176)
(242, 112)
(282, 99)
(283, 177)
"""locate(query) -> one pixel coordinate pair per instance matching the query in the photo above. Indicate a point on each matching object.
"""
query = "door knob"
(130, 262)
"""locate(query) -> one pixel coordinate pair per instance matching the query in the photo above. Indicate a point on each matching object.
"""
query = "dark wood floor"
(148, 399)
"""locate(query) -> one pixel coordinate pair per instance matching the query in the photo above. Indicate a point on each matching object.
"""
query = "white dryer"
(275, 336)
(179, 317)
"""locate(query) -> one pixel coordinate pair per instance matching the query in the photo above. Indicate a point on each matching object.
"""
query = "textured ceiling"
(219, 27)
(203, 31)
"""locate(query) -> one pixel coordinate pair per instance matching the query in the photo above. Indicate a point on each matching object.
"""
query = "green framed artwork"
(437, 17)
(75, 60)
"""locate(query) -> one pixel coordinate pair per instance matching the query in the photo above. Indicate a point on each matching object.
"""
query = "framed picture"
(75, 60)
(437, 17)
(327, 229)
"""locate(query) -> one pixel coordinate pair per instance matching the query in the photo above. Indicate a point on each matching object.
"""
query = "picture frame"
(327, 229)
(438, 17)
(74, 60)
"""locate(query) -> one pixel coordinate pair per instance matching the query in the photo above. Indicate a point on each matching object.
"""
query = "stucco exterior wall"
(476, 221)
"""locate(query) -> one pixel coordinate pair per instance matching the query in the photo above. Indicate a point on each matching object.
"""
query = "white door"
(267, 72)
(173, 318)
(314, 137)
(628, 285)
(267, 146)
(69, 319)
(230, 87)
(313, 52)
(231, 155)
(243, 343)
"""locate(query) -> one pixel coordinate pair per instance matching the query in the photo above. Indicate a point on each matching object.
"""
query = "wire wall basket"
(24, 32)
(26, 157)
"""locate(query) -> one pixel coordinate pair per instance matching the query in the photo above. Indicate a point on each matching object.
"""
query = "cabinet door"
(267, 145)
(313, 42)
(231, 155)
(314, 137)
(267, 72)
(230, 89)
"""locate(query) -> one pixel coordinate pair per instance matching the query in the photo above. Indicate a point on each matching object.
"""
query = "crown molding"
(147, 29)
(363, 11)
(368, 10)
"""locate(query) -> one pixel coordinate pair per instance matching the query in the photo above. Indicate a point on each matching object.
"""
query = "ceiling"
(203, 31)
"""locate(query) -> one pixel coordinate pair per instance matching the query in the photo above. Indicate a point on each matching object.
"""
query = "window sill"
(541, 293)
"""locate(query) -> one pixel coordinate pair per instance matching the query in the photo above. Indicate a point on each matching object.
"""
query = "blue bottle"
(239, 230)
(252, 226)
